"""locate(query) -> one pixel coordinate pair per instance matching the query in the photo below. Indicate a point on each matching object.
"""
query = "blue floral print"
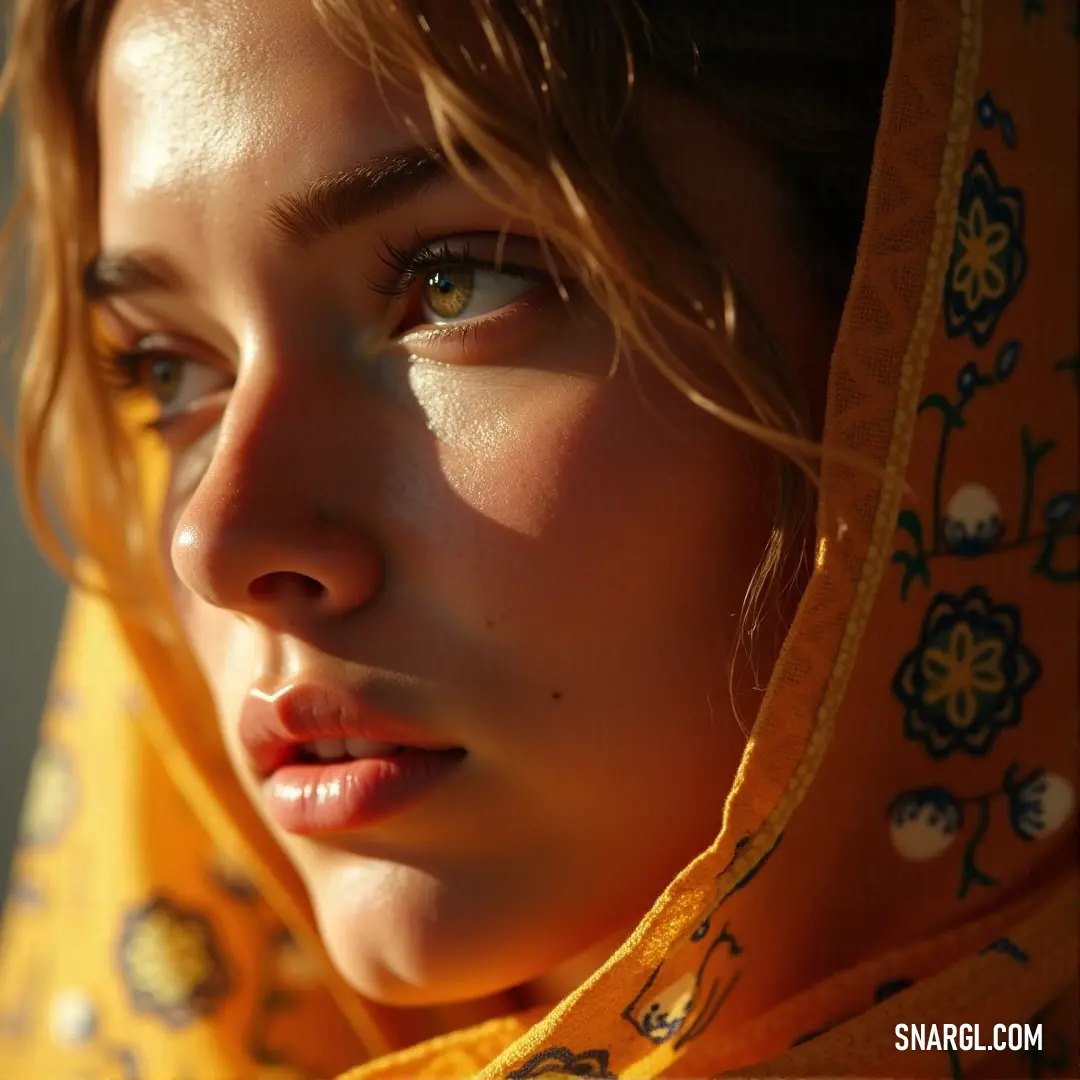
(972, 522)
(684, 1007)
(965, 680)
(989, 259)
(561, 1061)
(924, 822)
(52, 797)
(171, 963)
(1037, 804)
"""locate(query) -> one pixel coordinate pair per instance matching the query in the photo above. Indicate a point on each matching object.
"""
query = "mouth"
(334, 751)
(328, 762)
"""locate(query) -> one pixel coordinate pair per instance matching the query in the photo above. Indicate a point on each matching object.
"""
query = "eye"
(178, 382)
(164, 379)
(470, 291)
(449, 283)
(173, 381)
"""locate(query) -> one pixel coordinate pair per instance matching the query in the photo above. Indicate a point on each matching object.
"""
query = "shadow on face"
(507, 545)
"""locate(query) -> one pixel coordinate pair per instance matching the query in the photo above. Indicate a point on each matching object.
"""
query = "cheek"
(596, 510)
(527, 454)
(503, 448)
(222, 644)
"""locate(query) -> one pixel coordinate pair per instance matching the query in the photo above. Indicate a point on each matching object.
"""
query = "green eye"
(163, 377)
(447, 293)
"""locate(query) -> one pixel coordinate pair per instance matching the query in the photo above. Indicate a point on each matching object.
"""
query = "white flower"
(664, 1013)
(1041, 805)
(72, 1018)
(923, 822)
(972, 520)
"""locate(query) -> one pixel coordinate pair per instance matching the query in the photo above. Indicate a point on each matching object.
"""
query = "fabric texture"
(898, 847)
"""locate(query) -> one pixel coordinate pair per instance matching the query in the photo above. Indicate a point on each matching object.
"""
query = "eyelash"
(410, 265)
(123, 368)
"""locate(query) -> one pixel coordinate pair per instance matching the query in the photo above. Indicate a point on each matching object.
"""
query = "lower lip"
(310, 798)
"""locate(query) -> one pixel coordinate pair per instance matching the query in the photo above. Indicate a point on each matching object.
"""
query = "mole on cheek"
(556, 695)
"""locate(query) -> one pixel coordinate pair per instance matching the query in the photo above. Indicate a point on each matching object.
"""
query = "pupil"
(163, 378)
(448, 292)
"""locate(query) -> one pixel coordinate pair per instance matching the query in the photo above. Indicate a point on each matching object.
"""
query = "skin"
(531, 558)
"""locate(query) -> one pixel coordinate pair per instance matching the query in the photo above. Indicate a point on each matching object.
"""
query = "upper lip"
(274, 724)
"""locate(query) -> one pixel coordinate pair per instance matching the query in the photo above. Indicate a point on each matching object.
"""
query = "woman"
(435, 394)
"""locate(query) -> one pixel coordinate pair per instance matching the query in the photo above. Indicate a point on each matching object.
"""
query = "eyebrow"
(115, 274)
(326, 204)
(337, 199)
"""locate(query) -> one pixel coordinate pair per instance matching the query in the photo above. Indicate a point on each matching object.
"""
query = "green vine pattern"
(925, 821)
(973, 527)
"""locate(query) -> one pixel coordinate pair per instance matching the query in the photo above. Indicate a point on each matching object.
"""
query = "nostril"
(283, 583)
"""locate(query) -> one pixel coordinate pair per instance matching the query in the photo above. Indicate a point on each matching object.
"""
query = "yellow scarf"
(898, 848)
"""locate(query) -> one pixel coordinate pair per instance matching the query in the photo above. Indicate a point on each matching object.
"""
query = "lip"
(308, 796)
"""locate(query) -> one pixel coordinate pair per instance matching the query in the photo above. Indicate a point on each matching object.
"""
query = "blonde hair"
(545, 99)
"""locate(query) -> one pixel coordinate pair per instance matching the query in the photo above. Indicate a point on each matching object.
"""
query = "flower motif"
(561, 1061)
(972, 523)
(989, 259)
(1040, 805)
(924, 822)
(664, 1014)
(73, 1020)
(980, 240)
(50, 797)
(171, 963)
(965, 680)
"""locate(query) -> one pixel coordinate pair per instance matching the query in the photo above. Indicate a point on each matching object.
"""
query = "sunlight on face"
(501, 544)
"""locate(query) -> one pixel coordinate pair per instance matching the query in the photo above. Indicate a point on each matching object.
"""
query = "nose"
(257, 536)
(281, 573)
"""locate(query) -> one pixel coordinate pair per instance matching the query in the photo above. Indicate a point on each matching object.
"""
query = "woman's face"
(481, 539)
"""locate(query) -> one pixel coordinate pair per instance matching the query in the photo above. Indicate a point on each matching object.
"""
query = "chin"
(414, 974)
(401, 937)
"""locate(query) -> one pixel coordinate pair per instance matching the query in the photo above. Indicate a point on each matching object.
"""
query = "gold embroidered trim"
(892, 487)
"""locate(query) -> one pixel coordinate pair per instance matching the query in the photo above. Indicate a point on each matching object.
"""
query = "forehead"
(214, 103)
